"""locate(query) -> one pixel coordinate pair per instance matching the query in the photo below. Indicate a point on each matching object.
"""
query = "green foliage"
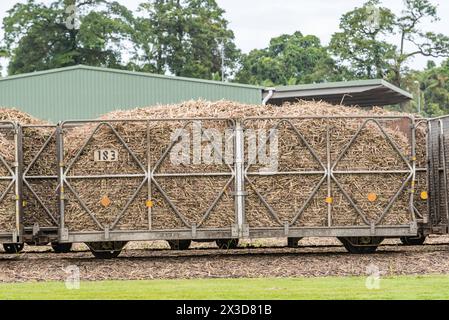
(364, 41)
(360, 43)
(40, 37)
(184, 38)
(433, 87)
(3, 54)
(289, 60)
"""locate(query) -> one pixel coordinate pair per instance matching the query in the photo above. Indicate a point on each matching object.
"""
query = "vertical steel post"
(239, 176)
(61, 178)
(149, 179)
(427, 219)
(445, 182)
(414, 160)
(18, 182)
(329, 176)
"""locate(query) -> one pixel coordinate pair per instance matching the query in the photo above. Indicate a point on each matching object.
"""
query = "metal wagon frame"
(15, 183)
(239, 177)
(438, 154)
(149, 177)
(329, 174)
(36, 233)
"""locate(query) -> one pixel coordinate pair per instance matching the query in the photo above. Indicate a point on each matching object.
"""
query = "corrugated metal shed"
(363, 93)
(82, 92)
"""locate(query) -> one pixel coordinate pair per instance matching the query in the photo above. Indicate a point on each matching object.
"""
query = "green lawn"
(425, 287)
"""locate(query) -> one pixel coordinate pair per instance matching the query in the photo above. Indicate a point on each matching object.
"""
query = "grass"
(406, 287)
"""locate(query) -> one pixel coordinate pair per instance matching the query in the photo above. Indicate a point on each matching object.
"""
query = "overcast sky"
(255, 22)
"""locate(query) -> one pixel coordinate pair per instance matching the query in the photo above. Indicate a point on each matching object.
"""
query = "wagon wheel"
(13, 247)
(293, 242)
(414, 241)
(179, 244)
(361, 245)
(106, 250)
(36, 244)
(106, 255)
(61, 247)
(227, 243)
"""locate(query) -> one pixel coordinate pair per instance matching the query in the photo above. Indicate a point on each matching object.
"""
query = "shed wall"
(87, 93)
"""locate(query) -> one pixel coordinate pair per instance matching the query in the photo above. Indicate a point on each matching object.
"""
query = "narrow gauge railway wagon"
(144, 180)
(11, 229)
(345, 177)
(350, 177)
(438, 178)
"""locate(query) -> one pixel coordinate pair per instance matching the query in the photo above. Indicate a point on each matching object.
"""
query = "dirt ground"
(257, 258)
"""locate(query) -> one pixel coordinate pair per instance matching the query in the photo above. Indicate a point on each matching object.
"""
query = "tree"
(434, 88)
(364, 41)
(288, 60)
(3, 54)
(65, 33)
(360, 43)
(184, 38)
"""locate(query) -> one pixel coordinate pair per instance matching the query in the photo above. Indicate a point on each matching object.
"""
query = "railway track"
(207, 261)
(254, 248)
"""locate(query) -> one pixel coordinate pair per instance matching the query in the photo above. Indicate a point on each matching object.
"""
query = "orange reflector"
(149, 204)
(105, 201)
(372, 197)
(329, 200)
(424, 195)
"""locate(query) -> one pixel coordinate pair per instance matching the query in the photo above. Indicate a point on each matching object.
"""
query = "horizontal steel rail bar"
(75, 122)
(379, 231)
(39, 126)
(284, 173)
(330, 117)
(8, 125)
(42, 229)
(372, 172)
(214, 234)
(109, 176)
(193, 174)
(40, 177)
(6, 237)
(183, 234)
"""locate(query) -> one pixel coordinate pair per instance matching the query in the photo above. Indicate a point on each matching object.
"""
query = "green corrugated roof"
(364, 93)
(82, 92)
(346, 84)
(134, 73)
